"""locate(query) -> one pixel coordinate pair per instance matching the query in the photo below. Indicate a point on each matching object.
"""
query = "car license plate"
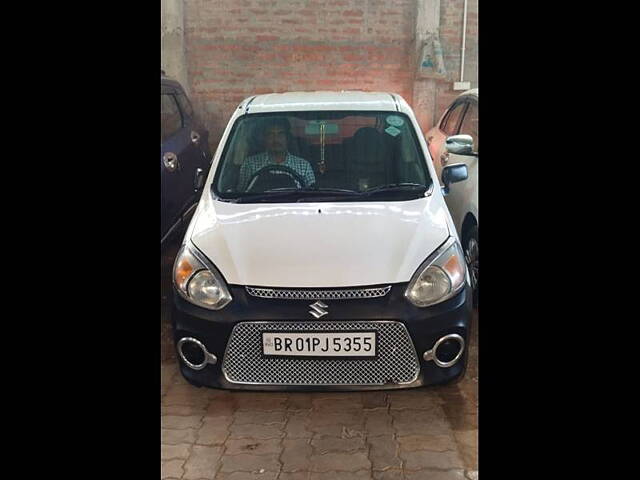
(319, 344)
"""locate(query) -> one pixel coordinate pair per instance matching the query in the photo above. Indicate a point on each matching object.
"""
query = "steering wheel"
(283, 171)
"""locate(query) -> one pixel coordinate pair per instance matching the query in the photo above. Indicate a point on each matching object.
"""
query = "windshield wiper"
(294, 193)
(396, 188)
(311, 190)
(298, 194)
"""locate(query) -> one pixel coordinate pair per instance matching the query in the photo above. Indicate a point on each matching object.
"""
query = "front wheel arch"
(469, 222)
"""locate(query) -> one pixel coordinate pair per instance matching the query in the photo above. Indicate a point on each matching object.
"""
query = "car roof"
(473, 93)
(164, 80)
(323, 100)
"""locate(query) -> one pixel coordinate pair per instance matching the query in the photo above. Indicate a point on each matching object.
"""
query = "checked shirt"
(254, 163)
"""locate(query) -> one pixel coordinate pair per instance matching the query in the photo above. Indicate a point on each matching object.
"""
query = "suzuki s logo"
(317, 309)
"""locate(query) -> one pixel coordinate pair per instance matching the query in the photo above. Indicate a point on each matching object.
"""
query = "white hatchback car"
(454, 140)
(322, 254)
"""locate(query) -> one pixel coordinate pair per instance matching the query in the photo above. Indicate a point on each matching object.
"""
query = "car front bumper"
(424, 327)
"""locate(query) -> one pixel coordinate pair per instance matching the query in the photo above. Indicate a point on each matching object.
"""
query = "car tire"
(470, 246)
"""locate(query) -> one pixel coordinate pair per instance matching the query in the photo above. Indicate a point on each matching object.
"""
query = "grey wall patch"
(395, 121)
(393, 131)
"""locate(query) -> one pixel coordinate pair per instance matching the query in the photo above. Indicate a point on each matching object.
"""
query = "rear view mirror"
(314, 127)
(460, 144)
(453, 174)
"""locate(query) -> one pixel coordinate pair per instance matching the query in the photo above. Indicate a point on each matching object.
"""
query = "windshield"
(318, 156)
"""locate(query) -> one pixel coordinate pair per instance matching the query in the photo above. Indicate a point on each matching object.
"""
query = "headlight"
(199, 283)
(440, 277)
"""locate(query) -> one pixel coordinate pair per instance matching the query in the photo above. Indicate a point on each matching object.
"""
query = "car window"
(185, 105)
(170, 119)
(354, 151)
(450, 122)
(470, 124)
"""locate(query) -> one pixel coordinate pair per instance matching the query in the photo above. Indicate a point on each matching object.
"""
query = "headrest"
(369, 146)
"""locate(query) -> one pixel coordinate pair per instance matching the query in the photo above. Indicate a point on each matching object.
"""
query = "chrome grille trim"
(299, 294)
(396, 363)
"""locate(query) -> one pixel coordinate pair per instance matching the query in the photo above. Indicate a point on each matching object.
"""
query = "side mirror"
(453, 174)
(460, 144)
(199, 180)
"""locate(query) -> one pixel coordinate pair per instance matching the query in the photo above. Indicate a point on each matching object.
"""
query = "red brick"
(237, 48)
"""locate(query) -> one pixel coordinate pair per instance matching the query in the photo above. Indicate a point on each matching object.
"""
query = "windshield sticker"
(393, 131)
(395, 121)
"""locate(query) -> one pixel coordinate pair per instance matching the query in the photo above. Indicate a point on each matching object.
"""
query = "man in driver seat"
(275, 134)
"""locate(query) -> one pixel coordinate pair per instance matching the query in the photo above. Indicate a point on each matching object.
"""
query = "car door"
(179, 159)
(199, 135)
(463, 196)
(448, 126)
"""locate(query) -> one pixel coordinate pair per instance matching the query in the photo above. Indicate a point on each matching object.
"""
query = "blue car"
(185, 157)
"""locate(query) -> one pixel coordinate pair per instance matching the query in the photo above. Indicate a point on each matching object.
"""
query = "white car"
(322, 254)
(454, 140)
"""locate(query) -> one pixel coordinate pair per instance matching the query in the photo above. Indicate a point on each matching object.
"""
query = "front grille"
(298, 294)
(396, 362)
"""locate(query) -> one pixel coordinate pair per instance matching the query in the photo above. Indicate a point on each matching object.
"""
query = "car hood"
(319, 244)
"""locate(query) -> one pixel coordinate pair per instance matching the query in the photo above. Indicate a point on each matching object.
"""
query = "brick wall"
(451, 21)
(237, 48)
